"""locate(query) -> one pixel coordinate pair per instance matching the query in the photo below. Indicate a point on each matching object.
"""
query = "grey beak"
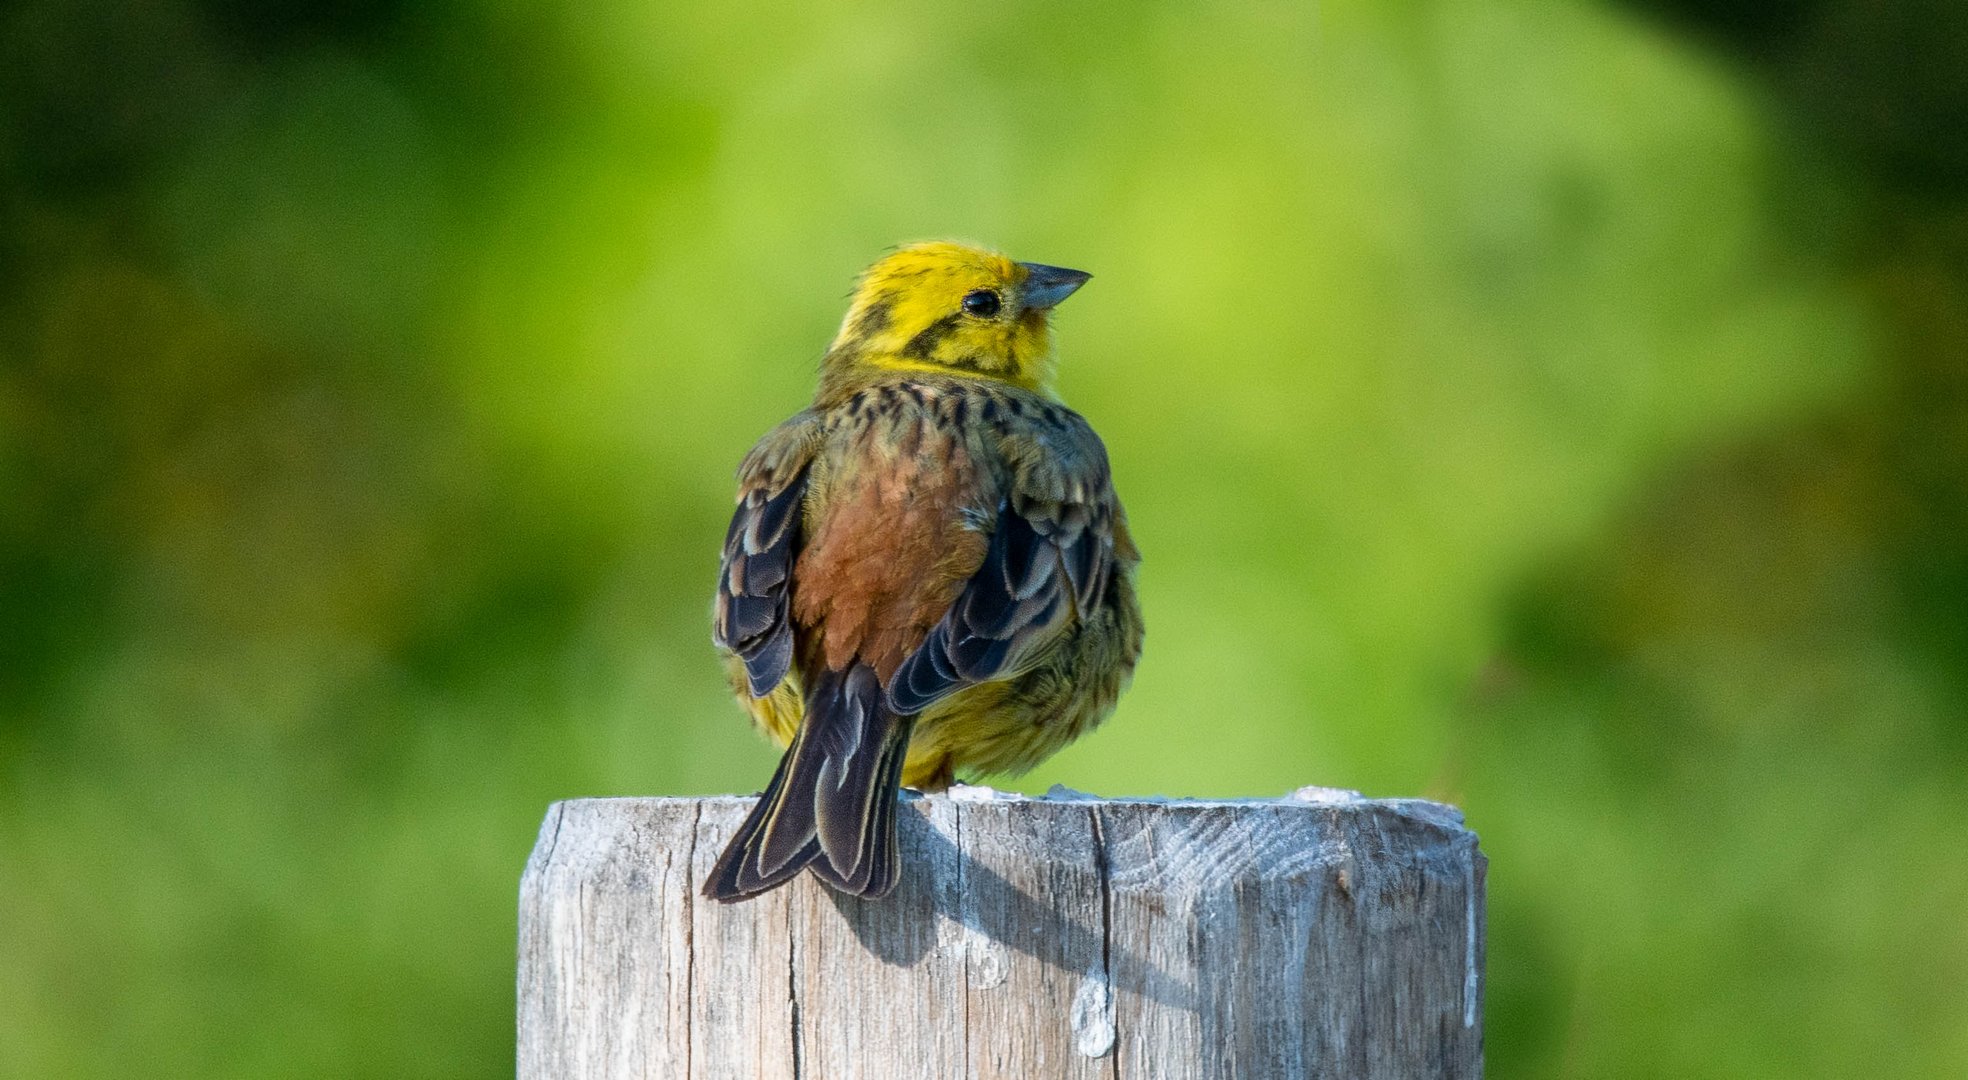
(1048, 285)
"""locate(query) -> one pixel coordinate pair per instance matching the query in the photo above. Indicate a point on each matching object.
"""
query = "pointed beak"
(1048, 285)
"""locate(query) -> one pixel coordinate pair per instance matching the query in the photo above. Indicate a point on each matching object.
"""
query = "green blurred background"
(1557, 408)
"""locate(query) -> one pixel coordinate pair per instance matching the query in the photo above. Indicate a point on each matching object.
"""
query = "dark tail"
(831, 804)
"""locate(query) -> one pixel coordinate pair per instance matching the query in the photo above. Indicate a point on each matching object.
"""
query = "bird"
(927, 574)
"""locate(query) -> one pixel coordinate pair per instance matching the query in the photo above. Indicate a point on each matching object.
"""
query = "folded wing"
(755, 579)
(1050, 556)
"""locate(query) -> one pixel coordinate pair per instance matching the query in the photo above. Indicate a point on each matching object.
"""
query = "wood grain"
(1319, 935)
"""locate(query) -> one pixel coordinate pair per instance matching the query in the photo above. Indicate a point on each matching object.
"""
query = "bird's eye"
(982, 303)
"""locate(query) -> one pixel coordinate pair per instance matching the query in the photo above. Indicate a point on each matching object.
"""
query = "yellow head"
(956, 310)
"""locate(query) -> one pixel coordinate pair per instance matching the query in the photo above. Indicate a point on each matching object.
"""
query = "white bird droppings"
(989, 964)
(1324, 796)
(1093, 1015)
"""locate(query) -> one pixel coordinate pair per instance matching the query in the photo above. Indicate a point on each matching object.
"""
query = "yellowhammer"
(928, 572)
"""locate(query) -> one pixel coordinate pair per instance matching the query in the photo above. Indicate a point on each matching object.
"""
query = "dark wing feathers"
(1037, 563)
(754, 579)
(1088, 561)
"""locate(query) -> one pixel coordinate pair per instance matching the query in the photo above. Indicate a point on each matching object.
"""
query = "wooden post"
(1319, 935)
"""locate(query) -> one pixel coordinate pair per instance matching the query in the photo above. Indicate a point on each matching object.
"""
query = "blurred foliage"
(1557, 408)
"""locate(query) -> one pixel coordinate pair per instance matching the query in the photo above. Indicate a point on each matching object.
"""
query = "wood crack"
(559, 812)
(690, 942)
(792, 995)
(965, 917)
(1101, 868)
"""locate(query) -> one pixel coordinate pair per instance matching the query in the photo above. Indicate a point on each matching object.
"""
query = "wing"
(756, 572)
(1051, 554)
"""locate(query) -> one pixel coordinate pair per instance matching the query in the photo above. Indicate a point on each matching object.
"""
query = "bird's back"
(909, 481)
(896, 510)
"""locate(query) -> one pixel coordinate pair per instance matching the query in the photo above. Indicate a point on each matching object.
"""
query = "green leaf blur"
(1555, 408)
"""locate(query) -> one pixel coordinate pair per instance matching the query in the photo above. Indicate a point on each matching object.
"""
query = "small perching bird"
(928, 572)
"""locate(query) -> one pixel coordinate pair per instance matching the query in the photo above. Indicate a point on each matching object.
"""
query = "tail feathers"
(831, 804)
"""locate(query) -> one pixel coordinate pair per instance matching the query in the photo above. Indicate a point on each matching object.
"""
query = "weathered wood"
(1319, 935)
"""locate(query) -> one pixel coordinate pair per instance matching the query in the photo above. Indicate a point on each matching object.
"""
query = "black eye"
(982, 303)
